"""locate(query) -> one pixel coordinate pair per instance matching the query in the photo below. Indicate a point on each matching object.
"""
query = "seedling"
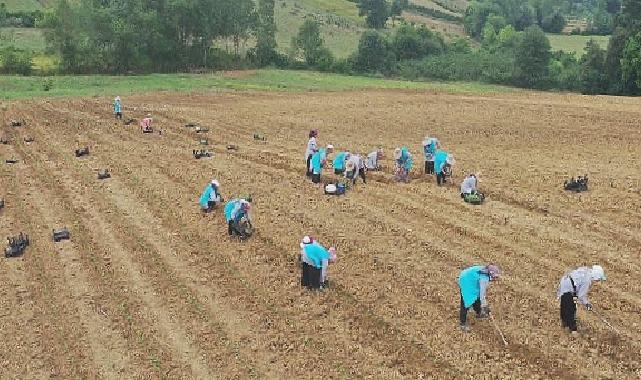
(200, 153)
(82, 152)
(104, 174)
(16, 245)
(61, 234)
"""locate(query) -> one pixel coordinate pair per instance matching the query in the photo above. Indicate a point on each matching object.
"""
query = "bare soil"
(149, 288)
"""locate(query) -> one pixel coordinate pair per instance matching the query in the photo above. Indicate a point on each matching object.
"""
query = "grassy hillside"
(341, 26)
(23, 5)
(575, 44)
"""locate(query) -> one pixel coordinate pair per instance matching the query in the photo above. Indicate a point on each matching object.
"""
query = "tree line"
(138, 36)
(120, 36)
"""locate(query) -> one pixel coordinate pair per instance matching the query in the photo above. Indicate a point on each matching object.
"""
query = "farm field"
(147, 287)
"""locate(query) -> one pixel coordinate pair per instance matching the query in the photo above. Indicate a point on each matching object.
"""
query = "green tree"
(592, 72)
(3, 13)
(266, 38)
(310, 43)
(410, 42)
(631, 61)
(16, 61)
(397, 9)
(372, 52)
(532, 58)
(554, 23)
(376, 12)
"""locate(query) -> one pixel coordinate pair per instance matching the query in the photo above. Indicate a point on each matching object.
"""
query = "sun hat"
(598, 274)
(215, 183)
(492, 270)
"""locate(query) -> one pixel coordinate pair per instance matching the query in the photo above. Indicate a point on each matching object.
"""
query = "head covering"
(148, 115)
(306, 240)
(215, 183)
(246, 197)
(397, 153)
(492, 270)
(598, 274)
(117, 98)
(330, 147)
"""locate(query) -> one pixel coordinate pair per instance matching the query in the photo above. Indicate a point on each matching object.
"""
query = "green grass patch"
(341, 8)
(32, 40)
(22, 5)
(23, 38)
(575, 44)
(16, 87)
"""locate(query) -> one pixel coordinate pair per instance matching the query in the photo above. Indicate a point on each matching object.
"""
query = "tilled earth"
(147, 287)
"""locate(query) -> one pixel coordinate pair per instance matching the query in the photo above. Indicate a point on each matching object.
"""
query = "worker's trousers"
(463, 312)
(568, 311)
(429, 167)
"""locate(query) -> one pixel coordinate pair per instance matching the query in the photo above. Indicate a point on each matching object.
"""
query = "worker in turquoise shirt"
(440, 160)
(473, 283)
(318, 161)
(339, 162)
(117, 108)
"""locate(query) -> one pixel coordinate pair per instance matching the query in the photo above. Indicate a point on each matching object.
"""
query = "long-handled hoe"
(498, 329)
(605, 321)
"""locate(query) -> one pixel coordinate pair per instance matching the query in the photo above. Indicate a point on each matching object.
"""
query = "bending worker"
(441, 159)
(339, 162)
(577, 283)
(210, 197)
(373, 159)
(468, 186)
(315, 260)
(430, 145)
(237, 215)
(404, 163)
(473, 283)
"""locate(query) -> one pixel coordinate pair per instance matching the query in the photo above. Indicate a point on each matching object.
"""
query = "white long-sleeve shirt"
(468, 185)
(358, 161)
(311, 147)
(372, 161)
(582, 278)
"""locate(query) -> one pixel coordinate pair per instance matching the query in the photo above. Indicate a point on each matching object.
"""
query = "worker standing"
(311, 149)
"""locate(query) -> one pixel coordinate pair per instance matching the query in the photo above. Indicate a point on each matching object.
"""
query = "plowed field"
(147, 287)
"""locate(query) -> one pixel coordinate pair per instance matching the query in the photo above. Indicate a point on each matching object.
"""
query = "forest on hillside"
(505, 42)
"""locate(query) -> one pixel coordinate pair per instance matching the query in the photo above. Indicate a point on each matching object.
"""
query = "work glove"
(588, 306)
